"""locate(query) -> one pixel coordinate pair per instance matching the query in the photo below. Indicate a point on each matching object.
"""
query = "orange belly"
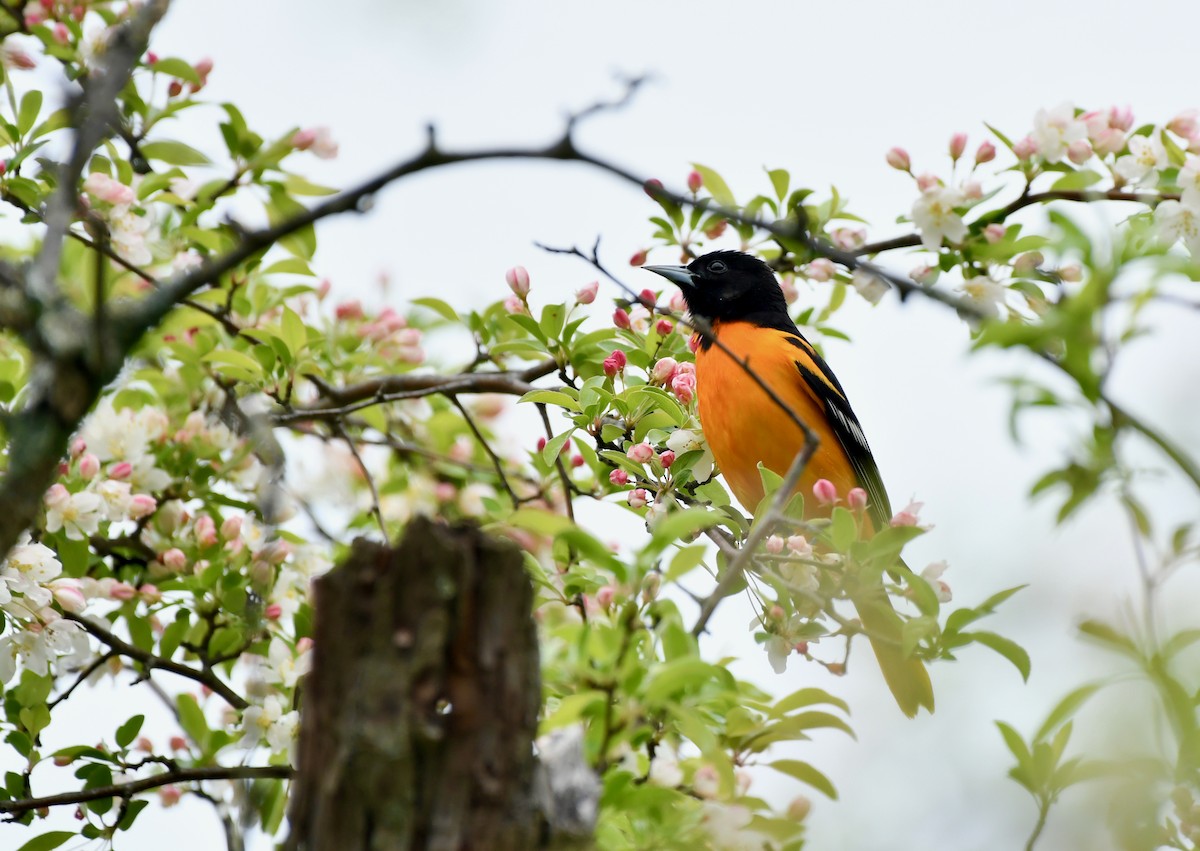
(745, 427)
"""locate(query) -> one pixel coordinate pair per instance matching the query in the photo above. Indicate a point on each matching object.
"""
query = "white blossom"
(269, 721)
(1146, 155)
(284, 666)
(870, 286)
(687, 440)
(664, 769)
(935, 217)
(1054, 130)
(79, 514)
(1177, 221)
(986, 294)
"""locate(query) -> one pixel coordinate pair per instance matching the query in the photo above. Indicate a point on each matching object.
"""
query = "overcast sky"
(822, 89)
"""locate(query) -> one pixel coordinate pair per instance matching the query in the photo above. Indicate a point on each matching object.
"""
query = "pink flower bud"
(604, 596)
(68, 593)
(120, 471)
(907, 516)
(958, 144)
(611, 366)
(349, 310)
(541, 444)
(169, 795)
(303, 139)
(706, 783)
(799, 808)
(695, 182)
(174, 89)
(848, 239)
(60, 33)
(587, 293)
(1184, 124)
(821, 269)
(620, 318)
(231, 527)
(652, 187)
(774, 545)
(825, 491)
(78, 447)
(151, 57)
(927, 181)
(618, 357)
(203, 68)
(716, 229)
(142, 505)
(174, 559)
(985, 153)
(618, 477)
(664, 327)
(1110, 140)
(304, 645)
(667, 459)
(518, 280)
(638, 498)
(205, 531)
(1028, 263)
(1025, 148)
(640, 453)
(57, 494)
(144, 744)
(857, 499)
(798, 545)
(273, 612)
(89, 466)
(639, 258)
(1121, 117)
(513, 304)
(898, 159)
(177, 743)
(121, 591)
(663, 369)
(994, 232)
(924, 274)
(1072, 273)
(577, 461)
(1079, 151)
(683, 385)
(150, 593)
(972, 190)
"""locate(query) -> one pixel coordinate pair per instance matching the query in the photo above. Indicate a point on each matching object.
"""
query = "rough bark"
(421, 708)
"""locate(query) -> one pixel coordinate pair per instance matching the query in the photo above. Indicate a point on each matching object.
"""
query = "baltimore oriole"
(742, 301)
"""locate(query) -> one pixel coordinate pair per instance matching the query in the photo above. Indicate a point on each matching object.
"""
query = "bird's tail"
(905, 675)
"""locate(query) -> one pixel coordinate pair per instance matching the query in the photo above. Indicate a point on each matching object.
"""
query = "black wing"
(846, 426)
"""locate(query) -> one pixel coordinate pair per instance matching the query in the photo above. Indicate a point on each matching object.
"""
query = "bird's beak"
(681, 276)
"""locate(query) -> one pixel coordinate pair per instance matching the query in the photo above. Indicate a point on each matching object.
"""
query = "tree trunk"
(419, 714)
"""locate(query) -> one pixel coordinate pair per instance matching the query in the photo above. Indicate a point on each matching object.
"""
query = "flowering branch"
(134, 787)
(150, 661)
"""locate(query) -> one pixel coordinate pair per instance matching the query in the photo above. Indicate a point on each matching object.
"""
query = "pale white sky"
(822, 89)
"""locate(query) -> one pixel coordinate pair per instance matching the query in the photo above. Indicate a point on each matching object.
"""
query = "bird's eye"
(717, 267)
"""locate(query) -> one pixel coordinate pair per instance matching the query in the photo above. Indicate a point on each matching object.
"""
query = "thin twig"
(91, 668)
(496, 462)
(558, 464)
(376, 511)
(166, 778)
(151, 661)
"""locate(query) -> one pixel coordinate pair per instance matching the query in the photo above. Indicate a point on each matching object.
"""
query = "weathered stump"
(421, 708)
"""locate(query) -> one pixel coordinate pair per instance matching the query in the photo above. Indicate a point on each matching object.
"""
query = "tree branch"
(150, 661)
(166, 778)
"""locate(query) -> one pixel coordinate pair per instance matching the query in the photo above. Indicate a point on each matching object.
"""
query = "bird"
(739, 297)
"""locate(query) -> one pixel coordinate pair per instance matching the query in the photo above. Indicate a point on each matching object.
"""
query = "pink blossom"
(319, 140)
(774, 545)
(848, 238)
(787, 283)
(604, 596)
(518, 280)
(142, 505)
(639, 258)
(1108, 141)
(174, 559)
(618, 477)
(927, 181)
(60, 32)
(1079, 151)
(972, 190)
(150, 593)
(667, 459)
(663, 369)
(924, 274)
(349, 310)
(683, 385)
(1025, 148)
(638, 498)
(994, 232)
(798, 545)
(273, 612)
(169, 795)
(907, 516)
(821, 269)
(958, 144)
(985, 153)
(104, 188)
(898, 159)
(1184, 124)
(587, 293)
(203, 67)
(825, 491)
(640, 453)
(205, 531)
(856, 499)
(89, 466)
(620, 318)
(695, 182)
(68, 593)
(57, 495)
(121, 591)
(513, 304)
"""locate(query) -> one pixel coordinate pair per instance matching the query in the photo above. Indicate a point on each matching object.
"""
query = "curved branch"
(151, 661)
(166, 778)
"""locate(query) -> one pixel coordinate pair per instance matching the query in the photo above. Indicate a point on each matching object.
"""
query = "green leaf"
(234, 364)
(1081, 179)
(176, 68)
(191, 718)
(551, 397)
(1066, 707)
(779, 181)
(805, 773)
(174, 153)
(845, 529)
(683, 524)
(806, 697)
(552, 320)
(47, 841)
(555, 444)
(540, 521)
(1015, 743)
(439, 307)
(128, 731)
(680, 675)
(289, 266)
(294, 332)
(1006, 647)
(27, 113)
(1106, 634)
(716, 186)
(58, 119)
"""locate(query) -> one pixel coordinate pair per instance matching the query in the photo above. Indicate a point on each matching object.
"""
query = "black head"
(730, 285)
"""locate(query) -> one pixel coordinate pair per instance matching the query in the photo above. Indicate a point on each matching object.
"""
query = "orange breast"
(745, 427)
